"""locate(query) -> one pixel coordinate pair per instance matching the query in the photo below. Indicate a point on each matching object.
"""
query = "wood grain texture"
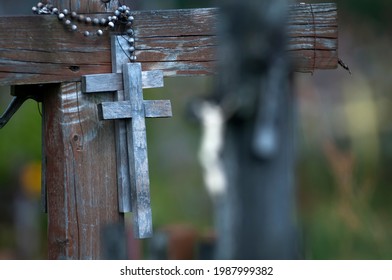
(179, 42)
(137, 152)
(123, 109)
(124, 176)
(114, 81)
(80, 165)
(82, 194)
(85, 6)
(120, 110)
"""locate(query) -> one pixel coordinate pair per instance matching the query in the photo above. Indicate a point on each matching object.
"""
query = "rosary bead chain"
(121, 16)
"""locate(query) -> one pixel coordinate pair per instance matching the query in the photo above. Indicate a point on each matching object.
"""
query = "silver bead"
(99, 32)
(67, 22)
(117, 13)
(35, 10)
(74, 14)
(74, 27)
(130, 19)
(40, 5)
(130, 32)
(55, 11)
(111, 24)
(88, 20)
(114, 18)
(102, 21)
(61, 16)
(131, 49)
(133, 58)
(81, 18)
(95, 21)
(65, 12)
(86, 33)
(131, 41)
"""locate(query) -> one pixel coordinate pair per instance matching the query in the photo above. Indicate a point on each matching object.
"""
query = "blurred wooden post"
(79, 156)
(256, 211)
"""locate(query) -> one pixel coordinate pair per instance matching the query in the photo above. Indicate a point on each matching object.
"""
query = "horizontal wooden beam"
(114, 81)
(38, 49)
(122, 109)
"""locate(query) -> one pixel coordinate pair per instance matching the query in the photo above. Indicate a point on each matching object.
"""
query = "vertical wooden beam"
(80, 165)
(137, 151)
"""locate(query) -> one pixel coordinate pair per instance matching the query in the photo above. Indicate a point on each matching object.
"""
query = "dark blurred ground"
(344, 149)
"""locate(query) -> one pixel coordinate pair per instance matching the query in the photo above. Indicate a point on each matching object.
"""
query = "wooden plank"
(79, 160)
(102, 83)
(124, 176)
(114, 81)
(158, 109)
(178, 42)
(122, 109)
(137, 152)
(80, 173)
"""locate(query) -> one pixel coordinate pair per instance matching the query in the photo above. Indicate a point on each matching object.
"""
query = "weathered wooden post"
(79, 160)
(44, 59)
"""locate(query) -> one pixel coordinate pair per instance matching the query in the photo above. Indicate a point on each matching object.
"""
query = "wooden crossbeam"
(122, 109)
(178, 42)
(114, 81)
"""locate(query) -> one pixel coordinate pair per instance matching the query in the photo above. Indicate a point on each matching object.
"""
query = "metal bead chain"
(122, 16)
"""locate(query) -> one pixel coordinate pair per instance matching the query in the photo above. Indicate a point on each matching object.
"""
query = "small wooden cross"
(131, 143)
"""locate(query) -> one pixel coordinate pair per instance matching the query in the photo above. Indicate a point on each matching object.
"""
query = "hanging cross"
(131, 143)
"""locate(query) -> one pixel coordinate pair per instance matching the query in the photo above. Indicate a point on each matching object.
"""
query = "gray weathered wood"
(123, 109)
(137, 152)
(150, 79)
(114, 81)
(158, 108)
(132, 186)
(136, 109)
(123, 176)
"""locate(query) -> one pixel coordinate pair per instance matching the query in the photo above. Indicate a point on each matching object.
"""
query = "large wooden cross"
(80, 175)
